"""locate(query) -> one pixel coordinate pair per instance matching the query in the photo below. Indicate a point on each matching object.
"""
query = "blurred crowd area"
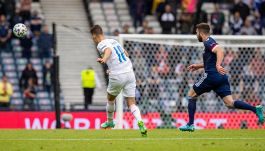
(163, 81)
(233, 17)
(25, 63)
(20, 11)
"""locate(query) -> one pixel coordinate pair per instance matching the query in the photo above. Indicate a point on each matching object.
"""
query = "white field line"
(127, 139)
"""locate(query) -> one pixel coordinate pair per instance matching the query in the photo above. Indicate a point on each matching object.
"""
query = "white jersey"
(118, 62)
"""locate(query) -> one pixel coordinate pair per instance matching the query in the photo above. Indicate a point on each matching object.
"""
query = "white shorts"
(125, 82)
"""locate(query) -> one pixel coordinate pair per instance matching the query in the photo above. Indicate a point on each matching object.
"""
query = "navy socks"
(191, 110)
(237, 104)
(243, 105)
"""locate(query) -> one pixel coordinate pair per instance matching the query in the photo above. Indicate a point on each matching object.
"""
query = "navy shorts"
(213, 81)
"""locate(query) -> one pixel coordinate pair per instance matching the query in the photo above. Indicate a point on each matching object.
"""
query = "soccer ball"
(20, 30)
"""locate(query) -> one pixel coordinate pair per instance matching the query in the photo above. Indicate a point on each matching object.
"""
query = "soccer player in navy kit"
(214, 78)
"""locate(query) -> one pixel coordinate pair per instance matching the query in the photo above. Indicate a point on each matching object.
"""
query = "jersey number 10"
(120, 53)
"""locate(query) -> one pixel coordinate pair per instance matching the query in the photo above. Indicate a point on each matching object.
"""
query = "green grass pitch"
(130, 140)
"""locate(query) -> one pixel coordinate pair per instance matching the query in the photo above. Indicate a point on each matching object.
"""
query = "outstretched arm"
(195, 67)
(200, 65)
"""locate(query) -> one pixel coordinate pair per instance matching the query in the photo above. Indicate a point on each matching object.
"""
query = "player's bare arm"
(106, 55)
(220, 56)
(195, 67)
(126, 52)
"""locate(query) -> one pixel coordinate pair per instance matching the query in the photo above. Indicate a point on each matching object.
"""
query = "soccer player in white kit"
(121, 76)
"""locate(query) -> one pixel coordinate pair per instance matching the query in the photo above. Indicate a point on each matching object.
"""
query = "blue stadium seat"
(9, 67)
(16, 95)
(11, 74)
(36, 61)
(17, 101)
(15, 42)
(6, 55)
(39, 74)
(15, 87)
(21, 61)
(44, 104)
(43, 94)
(17, 49)
(44, 101)
(18, 54)
(37, 67)
(21, 67)
(34, 48)
(8, 61)
(14, 81)
(16, 104)
(49, 60)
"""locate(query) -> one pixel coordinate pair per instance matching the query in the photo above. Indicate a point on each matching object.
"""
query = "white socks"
(136, 112)
(110, 108)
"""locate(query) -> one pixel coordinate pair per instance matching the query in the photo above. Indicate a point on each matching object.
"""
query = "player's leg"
(129, 93)
(225, 93)
(114, 88)
(230, 103)
(192, 98)
(258, 110)
(200, 87)
(110, 108)
(134, 108)
(137, 114)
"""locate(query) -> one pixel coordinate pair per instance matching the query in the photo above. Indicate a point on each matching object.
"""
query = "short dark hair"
(203, 27)
(97, 30)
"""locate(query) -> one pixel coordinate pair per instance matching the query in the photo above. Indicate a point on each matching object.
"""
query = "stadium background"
(162, 82)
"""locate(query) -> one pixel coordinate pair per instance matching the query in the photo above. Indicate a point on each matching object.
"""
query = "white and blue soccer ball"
(20, 30)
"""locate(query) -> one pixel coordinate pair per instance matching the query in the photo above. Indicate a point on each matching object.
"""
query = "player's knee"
(192, 94)
(111, 98)
(229, 102)
(229, 105)
(130, 101)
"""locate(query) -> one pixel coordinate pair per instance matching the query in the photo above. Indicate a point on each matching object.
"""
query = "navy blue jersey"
(212, 79)
(209, 57)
